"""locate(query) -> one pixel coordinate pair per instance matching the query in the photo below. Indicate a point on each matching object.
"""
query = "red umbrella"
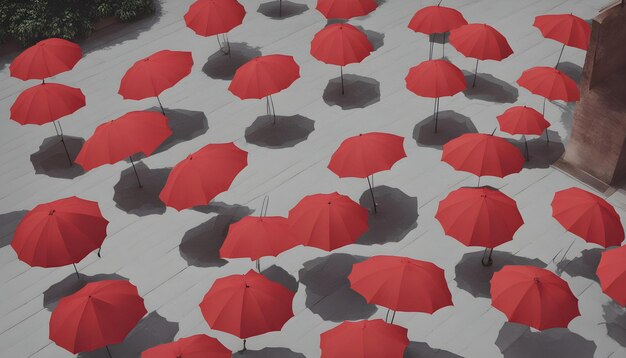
(612, 274)
(432, 20)
(214, 17)
(364, 339)
(435, 79)
(247, 305)
(480, 41)
(534, 297)
(588, 216)
(479, 217)
(523, 120)
(345, 9)
(99, 314)
(258, 236)
(549, 83)
(154, 74)
(328, 221)
(60, 232)
(483, 154)
(567, 29)
(134, 132)
(45, 59)
(340, 44)
(203, 175)
(263, 76)
(366, 154)
(401, 284)
(196, 346)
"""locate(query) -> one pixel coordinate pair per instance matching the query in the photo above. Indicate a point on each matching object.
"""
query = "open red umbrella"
(60, 232)
(134, 132)
(366, 154)
(364, 339)
(534, 297)
(432, 20)
(588, 216)
(99, 314)
(196, 346)
(215, 17)
(247, 305)
(612, 274)
(345, 9)
(401, 284)
(480, 41)
(479, 217)
(568, 29)
(328, 221)
(340, 44)
(523, 120)
(435, 79)
(45, 59)
(258, 236)
(154, 74)
(201, 176)
(483, 154)
(549, 83)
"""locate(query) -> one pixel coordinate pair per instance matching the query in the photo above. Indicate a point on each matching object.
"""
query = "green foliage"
(28, 21)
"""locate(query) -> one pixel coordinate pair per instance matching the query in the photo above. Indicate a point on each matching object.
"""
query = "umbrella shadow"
(423, 350)
(280, 276)
(200, 246)
(396, 215)
(567, 116)
(359, 92)
(286, 132)
(51, 159)
(615, 321)
(328, 292)
(71, 285)
(489, 88)
(377, 39)
(277, 11)
(151, 331)
(8, 224)
(222, 67)
(471, 276)
(517, 341)
(582, 266)
(269, 352)
(572, 70)
(450, 125)
(541, 153)
(132, 199)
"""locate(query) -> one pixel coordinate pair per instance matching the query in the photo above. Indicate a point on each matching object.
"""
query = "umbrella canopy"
(45, 103)
(401, 284)
(568, 29)
(134, 132)
(328, 221)
(203, 175)
(534, 297)
(480, 41)
(366, 154)
(549, 83)
(154, 74)
(247, 305)
(212, 17)
(255, 237)
(99, 314)
(340, 44)
(522, 120)
(482, 217)
(436, 19)
(197, 346)
(612, 274)
(364, 339)
(45, 59)
(60, 232)
(588, 216)
(263, 76)
(483, 154)
(435, 78)
(345, 9)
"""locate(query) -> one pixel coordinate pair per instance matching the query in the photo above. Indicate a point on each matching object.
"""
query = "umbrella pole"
(272, 107)
(393, 316)
(561, 54)
(387, 315)
(160, 105)
(244, 346)
(475, 74)
(75, 269)
(135, 169)
(67, 153)
(478, 182)
(227, 43)
(526, 149)
(99, 249)
(547, 136)
(436, 113)
(341, 72)
(430, 46)
(108, 351)
(258, 265)
(372, 191)
(443, 46)
(489, 260)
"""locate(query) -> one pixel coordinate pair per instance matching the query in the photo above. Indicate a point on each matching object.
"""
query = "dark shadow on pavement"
(70, 285)
(615, 320)
(473, 277)
(359, 92)
(328, 291)
(279, 275)
(269, 352)
(490, 89)
(132, 199)
(541, 153)
(572, 70)
(51, 159)
(286, 132)
(423, 350)
(450, 125)
(396, 215)
(222, 67)
(377, 39)
(8, 224)
(281, 10)
(582, 266)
